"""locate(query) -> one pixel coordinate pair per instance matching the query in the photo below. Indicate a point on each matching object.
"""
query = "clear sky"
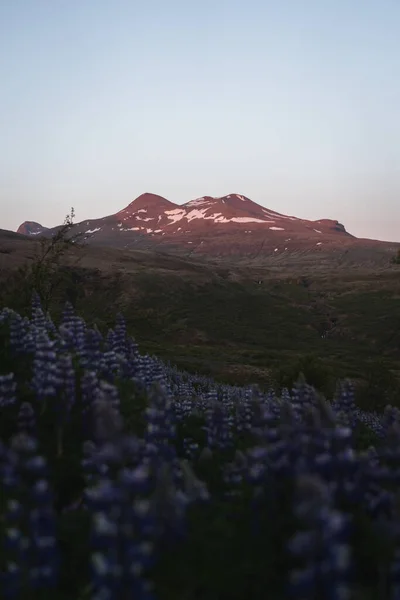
(294, 103)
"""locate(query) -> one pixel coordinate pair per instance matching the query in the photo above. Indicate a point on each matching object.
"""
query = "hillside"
(236, 322)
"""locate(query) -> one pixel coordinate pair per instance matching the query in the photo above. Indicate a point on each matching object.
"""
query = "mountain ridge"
(231, 225)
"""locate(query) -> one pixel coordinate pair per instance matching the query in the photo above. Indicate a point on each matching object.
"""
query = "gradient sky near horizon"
(294, 104)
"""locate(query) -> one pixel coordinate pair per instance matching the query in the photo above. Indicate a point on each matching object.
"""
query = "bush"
(380, 388)
(314, 371)
(45, 274)
(396, 259)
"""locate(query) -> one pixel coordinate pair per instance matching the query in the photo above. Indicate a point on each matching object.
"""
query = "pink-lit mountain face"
(227, 225)
(31, 228)
(156, 215)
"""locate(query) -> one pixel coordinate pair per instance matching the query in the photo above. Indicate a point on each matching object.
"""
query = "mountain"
(156, 215)
(31, 228)
(231, 225)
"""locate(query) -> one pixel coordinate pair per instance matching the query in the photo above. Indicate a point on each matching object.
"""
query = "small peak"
(149, 197)
(148, 200)
(31, 228)
(236, 196)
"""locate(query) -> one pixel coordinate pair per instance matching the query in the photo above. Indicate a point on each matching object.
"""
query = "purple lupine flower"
(160, 429)
(123, 533)
(195, 490)
(104, 501)
(109, 365)
(303, 395)
(109, 341)
(72, 330)
(90, 355)
(16, 536)
(190, 447)
(8, 387)
(322, 546)
(44, 563)
(15, 545)
(345, 466)
(372, 421)
(5, 315)
(106, 420)
(44, 378)
(39, 319)
(151, 372)
(65, 340)
(169, 499)
(218, 425)
(79, 328)
(345, 402)
(88, 462)
(257, 465)
(90, 385)
(51, 328)
(26, 420)
(41, 555)
(100, 462)
(68, 314)
(65, 383)
(111, 393)
(244, 414)
(36, 303)
(376, 500)
(14, 542)
(18, 332)
(209, 418)
(391, 415)
(119, 338)
(234, 474)
(29, 344)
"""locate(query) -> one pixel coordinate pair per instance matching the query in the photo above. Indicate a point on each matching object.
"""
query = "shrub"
(380, 388)
(315, 372)
(396, 259)
(45, 273)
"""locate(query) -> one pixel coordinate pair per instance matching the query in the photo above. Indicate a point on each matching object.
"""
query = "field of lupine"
(123, 478)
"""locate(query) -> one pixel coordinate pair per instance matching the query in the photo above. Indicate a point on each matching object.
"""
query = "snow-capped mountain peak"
(234, 217)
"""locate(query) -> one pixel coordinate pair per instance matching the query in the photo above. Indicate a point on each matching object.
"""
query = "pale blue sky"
(294, 103)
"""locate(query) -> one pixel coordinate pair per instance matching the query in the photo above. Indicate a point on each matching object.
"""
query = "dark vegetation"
(111, 460)
(396, 259)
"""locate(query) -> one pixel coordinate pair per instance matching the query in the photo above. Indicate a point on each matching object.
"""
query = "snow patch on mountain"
(245, 220)
(175, 215)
